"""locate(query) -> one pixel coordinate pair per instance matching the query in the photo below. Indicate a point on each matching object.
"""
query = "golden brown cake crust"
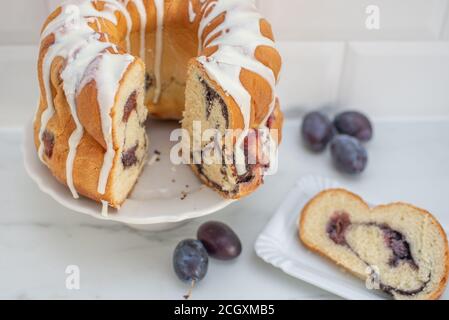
(305, 212)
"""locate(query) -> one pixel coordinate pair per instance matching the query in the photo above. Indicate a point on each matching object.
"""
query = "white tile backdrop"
(398, 79)
(21, 20)
(311, 74)
(330, 58)
(298, 20)
(385, 79)
(345, 19)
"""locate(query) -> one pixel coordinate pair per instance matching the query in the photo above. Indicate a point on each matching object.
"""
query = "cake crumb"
(183, 195)
(153, 160)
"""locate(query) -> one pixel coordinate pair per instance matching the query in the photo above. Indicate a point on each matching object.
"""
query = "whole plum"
(354, 124)
(317, 131)
(190, 261)
(348, 154)
(220, 241)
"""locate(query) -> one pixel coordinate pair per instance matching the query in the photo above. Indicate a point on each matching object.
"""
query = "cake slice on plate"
(397, 248)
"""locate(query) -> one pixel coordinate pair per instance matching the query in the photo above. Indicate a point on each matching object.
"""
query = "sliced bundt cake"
(102, 62)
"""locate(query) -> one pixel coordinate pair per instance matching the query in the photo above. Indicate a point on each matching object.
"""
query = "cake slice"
(96, 141)
(214, 123)
(125, 141)
(397, 248)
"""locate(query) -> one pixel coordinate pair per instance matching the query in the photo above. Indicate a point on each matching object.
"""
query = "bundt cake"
(397, 248)
(105, 65)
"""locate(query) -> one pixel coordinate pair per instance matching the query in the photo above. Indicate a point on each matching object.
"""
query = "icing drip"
(105, 209)
(143, 24)
(239, 39)
(107, 71)
(192, 14)
(114, 5)
(159, 4)
(78, 60)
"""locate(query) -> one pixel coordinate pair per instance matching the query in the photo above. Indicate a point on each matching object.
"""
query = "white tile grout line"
(444, 20)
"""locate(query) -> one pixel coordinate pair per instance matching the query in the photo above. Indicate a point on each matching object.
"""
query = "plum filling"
(252, 160)
(390, 289)
(130, 106)
(129, 157)
(248, 176)
(337, 226)
(400, 247)
(394, 240)
(271, 120)
(200, 169)
(48, 139)
(212, 97)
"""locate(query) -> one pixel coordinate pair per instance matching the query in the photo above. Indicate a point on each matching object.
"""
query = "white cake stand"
(164, 197)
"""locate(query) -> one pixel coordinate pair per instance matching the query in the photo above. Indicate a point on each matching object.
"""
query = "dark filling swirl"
(340, 222)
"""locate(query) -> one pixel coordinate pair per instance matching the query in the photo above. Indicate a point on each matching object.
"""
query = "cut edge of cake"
(208, 105)
(130, 141)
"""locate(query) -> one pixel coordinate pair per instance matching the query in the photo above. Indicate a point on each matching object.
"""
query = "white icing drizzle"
(114, 5)
(113, 46)
(239, 39)
(78, 60)
(107, 71)
(79, 44)
(140, 6)
(143, 25)
(159, 4)
(105, 208)
(192, 14)
(70, 32)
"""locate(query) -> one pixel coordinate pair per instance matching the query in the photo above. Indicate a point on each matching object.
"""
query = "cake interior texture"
(206, 108)
(129, 119)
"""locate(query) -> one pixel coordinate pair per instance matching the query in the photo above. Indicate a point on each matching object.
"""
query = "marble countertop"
(39, 238)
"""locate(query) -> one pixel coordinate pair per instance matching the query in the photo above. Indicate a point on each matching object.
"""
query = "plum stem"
(189, 293)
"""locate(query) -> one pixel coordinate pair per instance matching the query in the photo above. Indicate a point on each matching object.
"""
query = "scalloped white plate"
(280, 246)
(164, 196)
